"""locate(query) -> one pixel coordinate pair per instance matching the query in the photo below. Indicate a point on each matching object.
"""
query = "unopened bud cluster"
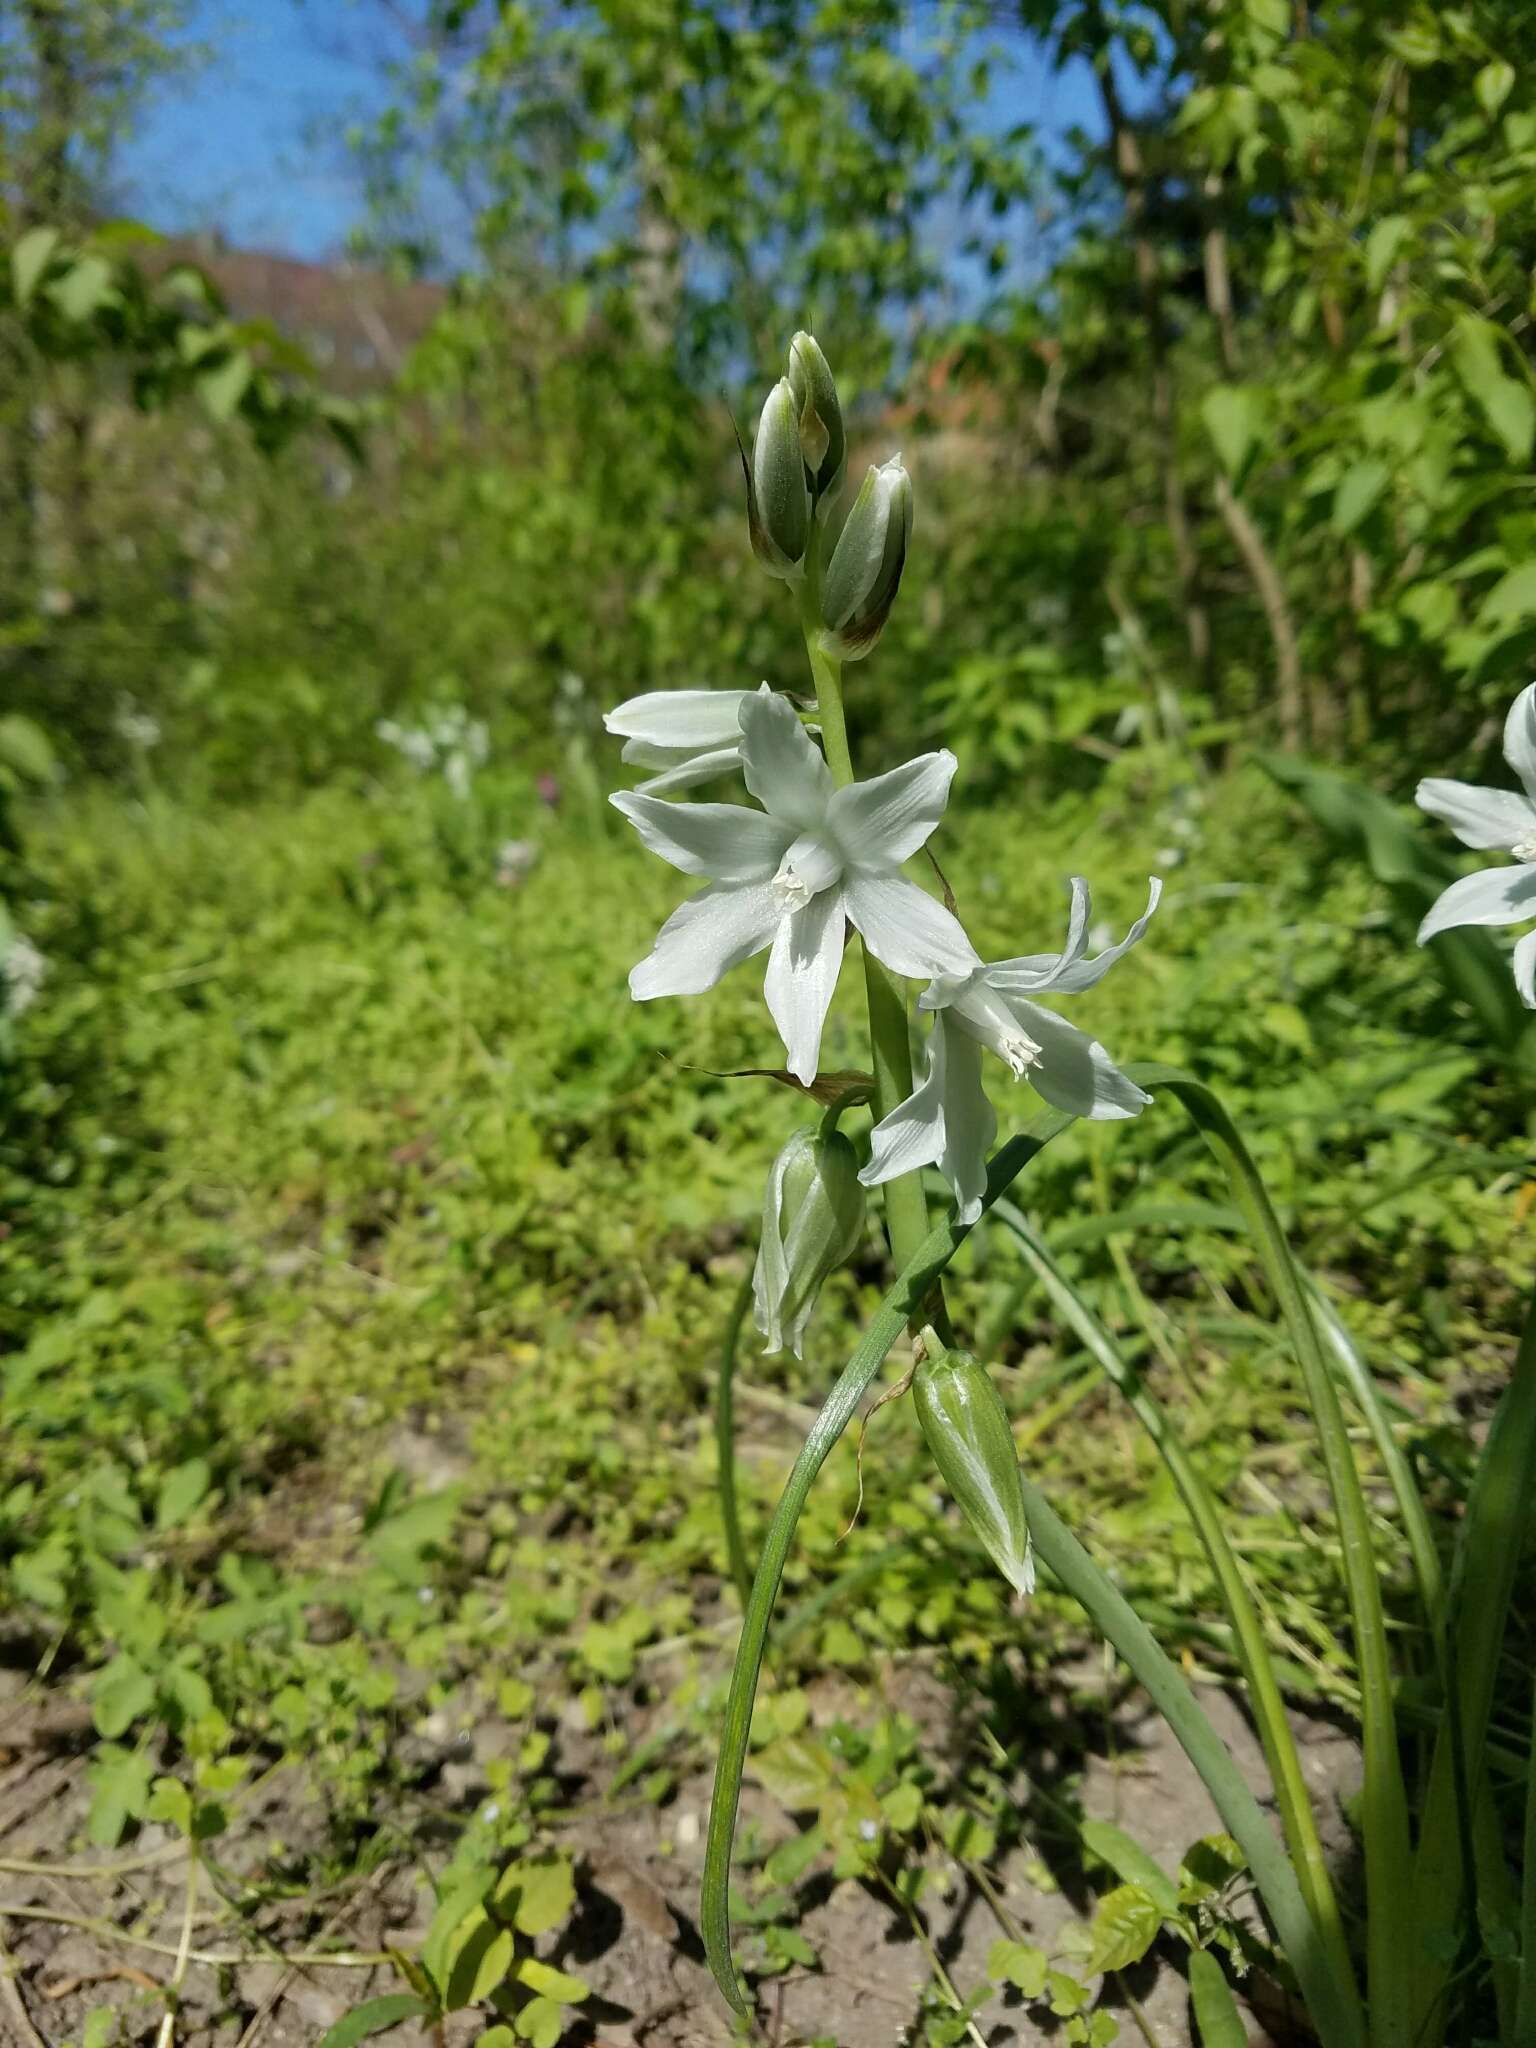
(799, 461)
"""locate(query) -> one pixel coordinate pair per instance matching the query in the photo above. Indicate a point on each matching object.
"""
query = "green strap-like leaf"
(1384, 1802)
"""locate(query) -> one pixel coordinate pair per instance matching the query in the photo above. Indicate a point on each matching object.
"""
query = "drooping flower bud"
(822, 441)
(778, 496)
(865, 571)
(813, 1213)
(966, 1427)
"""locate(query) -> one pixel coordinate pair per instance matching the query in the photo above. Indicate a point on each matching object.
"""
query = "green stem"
(1265, 1701)
(1384, 1803)
(906, 1207)
(899, 1306)
(725, 1441)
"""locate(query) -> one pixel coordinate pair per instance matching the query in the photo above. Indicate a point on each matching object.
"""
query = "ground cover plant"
(531, 1516)
(282, 1340)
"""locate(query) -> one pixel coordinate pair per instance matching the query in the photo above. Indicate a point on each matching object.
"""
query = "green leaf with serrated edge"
(1131, 1863)
(1217, 2019)
(122, 1692)
(1208, 1867)
(1359, 488)
(1125, 1924)
(1235, 417)
(180, 1492)
(374, 2017)
(1493, 85)
(1018, 1963)
(549, 1982)
(171, 1802)
(1382, 247)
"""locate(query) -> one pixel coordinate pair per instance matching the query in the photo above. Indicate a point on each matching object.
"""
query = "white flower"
(690, 735)
(1494, 817)
(794, 874)
(947, 1120)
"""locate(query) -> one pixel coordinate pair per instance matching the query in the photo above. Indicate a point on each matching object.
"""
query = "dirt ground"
(87, 1929)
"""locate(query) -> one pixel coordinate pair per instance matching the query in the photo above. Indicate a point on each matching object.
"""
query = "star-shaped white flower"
(947, 1120)
(691, 736)
(794, 874)
(1494, 817)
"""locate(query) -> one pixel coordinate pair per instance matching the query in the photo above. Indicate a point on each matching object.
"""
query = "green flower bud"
(966, 1427)
(813, 1214)
(778, 497)
(865, 571)
(822, 441)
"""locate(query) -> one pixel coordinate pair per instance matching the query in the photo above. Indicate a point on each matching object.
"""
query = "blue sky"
(253, 142)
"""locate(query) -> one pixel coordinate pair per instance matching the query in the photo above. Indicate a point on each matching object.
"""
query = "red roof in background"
(357, 324)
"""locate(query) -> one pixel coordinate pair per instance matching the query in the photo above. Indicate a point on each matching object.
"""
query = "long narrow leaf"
(1384, 1803)
(1524, 2033)
(1482, 1584)
(1265, 1700)
(1332, 2007)
(938, 1248)
(1357, 1376)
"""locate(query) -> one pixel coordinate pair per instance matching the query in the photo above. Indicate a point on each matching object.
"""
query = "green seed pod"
(813, 1214)
(966, 1427)
(864, 574)
(778, 496)
(822, 440)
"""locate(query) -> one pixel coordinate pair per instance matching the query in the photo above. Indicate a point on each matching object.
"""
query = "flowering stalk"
(906, 1206)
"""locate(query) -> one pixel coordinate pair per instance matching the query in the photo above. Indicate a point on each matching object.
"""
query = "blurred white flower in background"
(135, 727)
(22, 969)
(447, 742)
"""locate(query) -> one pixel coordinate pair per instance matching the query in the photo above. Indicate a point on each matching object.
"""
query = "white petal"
(1491, 896)
(1075, 1073)
(684, 770)
(1070, 974)
(882, 822)
(1520, 738)
(727, 842)
(970, 1122)
(1525, 970)
(705, 937)
(802, 973)
(680, 718)
(781, 762)
(1478, 817)
(905, 928)
(912, 1135)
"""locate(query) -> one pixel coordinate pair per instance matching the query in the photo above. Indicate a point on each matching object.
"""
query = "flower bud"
(865, 571)
(813, 1214)
(822, 441)
(966, 1427)
(778, 497)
